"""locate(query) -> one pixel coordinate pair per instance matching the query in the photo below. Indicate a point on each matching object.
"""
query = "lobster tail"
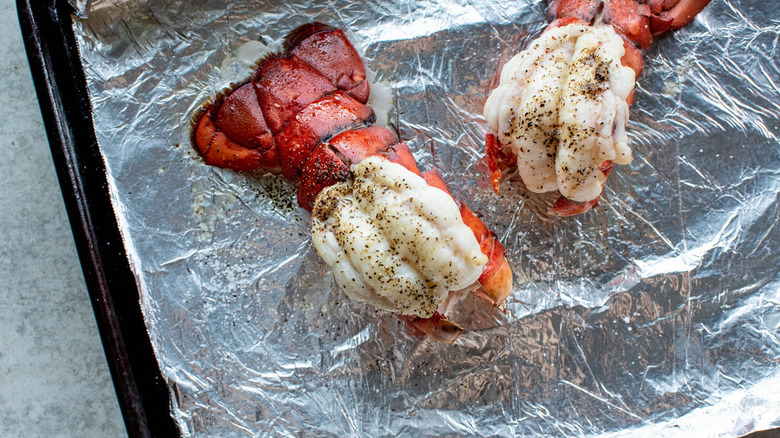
(304, 114)
(559, 113)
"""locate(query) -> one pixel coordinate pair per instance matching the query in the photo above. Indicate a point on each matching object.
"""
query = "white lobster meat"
(394, 241)
(561, 107)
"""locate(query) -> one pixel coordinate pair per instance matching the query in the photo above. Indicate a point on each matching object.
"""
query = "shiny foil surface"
(656, 314)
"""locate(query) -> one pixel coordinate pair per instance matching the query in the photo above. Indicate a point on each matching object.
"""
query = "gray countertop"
(54, 380)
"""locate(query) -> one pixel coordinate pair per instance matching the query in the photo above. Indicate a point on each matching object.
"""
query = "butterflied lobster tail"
(394, 236)
(559, 112)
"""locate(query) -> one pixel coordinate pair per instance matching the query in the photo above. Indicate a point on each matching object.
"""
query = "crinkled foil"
(658, 313)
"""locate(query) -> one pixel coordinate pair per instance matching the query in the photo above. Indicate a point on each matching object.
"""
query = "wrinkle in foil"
(655, 313)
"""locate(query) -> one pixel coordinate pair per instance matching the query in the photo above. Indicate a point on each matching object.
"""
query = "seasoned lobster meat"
(394, 241)
(559, 112)
(561, 107)
(593, 114)
(394, 236)
(496, 278)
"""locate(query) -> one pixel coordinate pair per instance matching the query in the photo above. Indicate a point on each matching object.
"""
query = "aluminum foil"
(658, 313)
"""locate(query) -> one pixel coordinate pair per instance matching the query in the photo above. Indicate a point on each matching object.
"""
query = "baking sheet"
(645, 315)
